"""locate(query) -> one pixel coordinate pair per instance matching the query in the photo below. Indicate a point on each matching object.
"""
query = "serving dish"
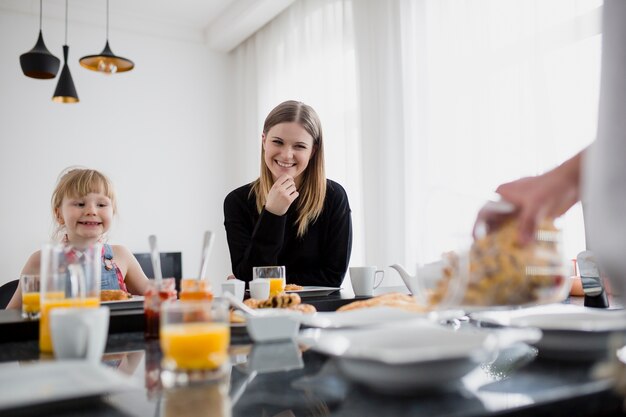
(363, 317)
(58, 381)
(569, 332)
(403, 357)
(132, 303)
(314, 291)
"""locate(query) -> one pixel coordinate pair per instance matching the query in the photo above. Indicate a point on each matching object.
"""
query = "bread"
(114, 295)
(304, 308)
(293, 287)
(394, 299)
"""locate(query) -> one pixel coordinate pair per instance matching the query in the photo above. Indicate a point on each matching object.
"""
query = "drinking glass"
(275, 275)
(70, 277)
(194, 338)
(30, 296)
(155, 295)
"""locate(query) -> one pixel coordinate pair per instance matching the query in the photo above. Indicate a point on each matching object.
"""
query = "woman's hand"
(282, 194)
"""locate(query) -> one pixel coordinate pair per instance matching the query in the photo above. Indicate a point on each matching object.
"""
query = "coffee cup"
(235, 287)
(260, 289)
(79, 333)
(363, 279)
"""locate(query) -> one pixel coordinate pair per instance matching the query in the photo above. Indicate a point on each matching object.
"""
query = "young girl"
(291, 215)
(83, 206)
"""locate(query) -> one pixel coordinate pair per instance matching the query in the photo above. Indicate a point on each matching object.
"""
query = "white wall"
(159, 132)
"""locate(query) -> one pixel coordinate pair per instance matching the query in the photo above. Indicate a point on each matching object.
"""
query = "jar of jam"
(156, 294)
(195, 290)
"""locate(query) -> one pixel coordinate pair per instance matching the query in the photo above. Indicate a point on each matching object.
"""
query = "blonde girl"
(292, 214)
(83, 206)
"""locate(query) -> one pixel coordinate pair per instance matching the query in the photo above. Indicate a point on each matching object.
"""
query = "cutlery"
(238, 304)
(206, 250)
(156, 259)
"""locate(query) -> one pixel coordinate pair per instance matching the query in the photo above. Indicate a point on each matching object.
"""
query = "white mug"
(260, 289)
(363, 279)
(79, 333)
(235, 287)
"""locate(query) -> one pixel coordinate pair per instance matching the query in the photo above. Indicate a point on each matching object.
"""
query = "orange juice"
(277, 285)
(55, 300)
(30, 302)
(195, 289)
(195, 346)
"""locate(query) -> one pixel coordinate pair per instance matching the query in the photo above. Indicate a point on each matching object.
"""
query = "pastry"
(304, 308)
(293, 287)
(394, 299)
(114, 295)
(280, 301)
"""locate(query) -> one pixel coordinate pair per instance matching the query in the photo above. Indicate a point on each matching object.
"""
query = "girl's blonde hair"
(313, 187)
(78, 182)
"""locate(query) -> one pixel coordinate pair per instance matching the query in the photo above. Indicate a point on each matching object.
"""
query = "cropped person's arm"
(135, 279)
(545, 196)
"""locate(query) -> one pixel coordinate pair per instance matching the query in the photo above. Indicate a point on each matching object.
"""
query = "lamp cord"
(40, 13)
(107, 20)
(66, 22)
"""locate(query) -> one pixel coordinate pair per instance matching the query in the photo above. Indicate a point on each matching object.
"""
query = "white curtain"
(460, 96)
(428, 105)
(305, 54)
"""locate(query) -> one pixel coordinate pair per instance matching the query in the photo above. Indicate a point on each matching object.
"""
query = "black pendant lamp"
(39, 62)
(65, 91)
(106, 61)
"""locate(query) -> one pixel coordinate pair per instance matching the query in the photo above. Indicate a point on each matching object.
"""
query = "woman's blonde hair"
(313, 186)
(78, 182)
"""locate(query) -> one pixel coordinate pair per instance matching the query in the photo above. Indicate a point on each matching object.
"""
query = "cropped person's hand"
(281, 195)
(546, 196)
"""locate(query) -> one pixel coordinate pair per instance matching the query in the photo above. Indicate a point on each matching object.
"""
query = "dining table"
(287, 379)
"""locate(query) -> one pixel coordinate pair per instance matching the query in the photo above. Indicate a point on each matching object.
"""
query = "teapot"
(426, 277)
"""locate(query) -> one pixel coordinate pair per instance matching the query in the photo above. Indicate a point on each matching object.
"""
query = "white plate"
(569, 332)
(43, 383)
(357, 318)
(402, 357)
(314, 291)
(135, 302)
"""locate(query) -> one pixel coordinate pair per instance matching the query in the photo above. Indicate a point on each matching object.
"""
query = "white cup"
(260, 289)
(79, 333)
(235, 287)
(363, 280)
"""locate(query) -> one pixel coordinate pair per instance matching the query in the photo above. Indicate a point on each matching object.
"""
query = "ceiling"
(222, 24)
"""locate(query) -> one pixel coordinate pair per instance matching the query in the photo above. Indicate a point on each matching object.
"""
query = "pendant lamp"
(106, 61)
(65, 91)
(39, 62)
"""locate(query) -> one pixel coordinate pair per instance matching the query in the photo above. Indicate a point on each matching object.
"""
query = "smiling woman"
(291, 215)
(83, 206)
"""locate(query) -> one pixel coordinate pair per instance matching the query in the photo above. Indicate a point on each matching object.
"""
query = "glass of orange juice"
(69, 277)
(194, 338)
(195, 289)
(275, 275)
(30, 296)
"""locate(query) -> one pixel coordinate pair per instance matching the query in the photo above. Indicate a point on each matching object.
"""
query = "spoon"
(156, 259)
(238, 304)
(206, 249)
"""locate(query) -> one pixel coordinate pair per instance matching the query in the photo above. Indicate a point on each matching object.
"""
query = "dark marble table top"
(516, 382)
